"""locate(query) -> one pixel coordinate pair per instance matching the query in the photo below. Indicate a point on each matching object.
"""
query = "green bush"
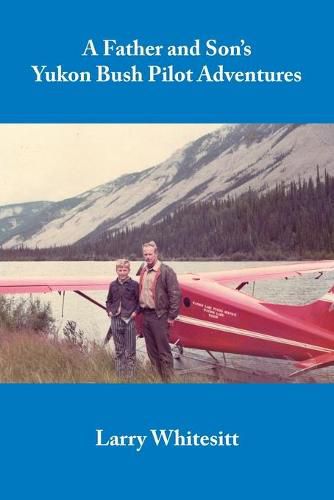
(26, 314)
(74, 336)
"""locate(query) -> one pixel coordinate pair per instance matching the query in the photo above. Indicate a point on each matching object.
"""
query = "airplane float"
(217, 318)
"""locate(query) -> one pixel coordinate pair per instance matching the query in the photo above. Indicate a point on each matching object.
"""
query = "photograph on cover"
(175, 253)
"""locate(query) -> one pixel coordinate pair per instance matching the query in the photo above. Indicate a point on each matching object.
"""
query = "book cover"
(176, 64)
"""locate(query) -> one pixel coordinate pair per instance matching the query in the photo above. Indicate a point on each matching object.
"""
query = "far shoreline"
(239, 257)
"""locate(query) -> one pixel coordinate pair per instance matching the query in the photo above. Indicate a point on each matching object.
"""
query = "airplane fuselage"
(217, 318)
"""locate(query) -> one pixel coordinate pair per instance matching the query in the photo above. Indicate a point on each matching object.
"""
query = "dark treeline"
(290, 221)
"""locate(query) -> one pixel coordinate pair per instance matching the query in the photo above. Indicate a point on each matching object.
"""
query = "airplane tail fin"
(320, 312)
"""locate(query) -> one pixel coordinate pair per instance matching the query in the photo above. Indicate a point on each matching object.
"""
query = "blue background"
(47, 433)
(48, 436)
(284, 36)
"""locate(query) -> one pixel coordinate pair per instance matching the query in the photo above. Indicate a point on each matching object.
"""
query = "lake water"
(94, 322)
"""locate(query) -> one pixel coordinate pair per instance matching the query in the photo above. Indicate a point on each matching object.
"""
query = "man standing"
(122, 308)
(159, 298)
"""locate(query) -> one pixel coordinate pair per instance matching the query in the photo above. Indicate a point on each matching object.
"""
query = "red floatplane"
(215, 317)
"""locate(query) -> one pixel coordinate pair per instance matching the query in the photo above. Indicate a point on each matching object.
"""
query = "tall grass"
(31, 352)
(27, 357)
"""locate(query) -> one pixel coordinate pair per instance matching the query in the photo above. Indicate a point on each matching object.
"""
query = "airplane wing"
(42, 285)
(265, 272)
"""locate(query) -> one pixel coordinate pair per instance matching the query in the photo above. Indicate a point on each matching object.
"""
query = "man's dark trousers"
(156, 334)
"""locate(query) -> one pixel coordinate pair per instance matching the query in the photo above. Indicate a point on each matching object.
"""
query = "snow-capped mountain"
(227, 161)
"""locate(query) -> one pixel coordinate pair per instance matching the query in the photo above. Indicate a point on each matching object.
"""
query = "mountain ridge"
(225, 162)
